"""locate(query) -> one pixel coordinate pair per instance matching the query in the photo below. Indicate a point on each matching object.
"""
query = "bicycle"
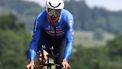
(48, 64)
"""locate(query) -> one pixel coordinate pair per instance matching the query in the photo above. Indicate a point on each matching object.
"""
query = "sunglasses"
(54, 12)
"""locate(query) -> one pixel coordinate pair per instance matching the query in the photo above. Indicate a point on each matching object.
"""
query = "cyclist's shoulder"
(66, 12)
(42, 14)
(41, 17)
(66, 15)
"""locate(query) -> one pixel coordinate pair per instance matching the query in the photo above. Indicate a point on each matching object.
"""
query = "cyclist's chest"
(59, 30)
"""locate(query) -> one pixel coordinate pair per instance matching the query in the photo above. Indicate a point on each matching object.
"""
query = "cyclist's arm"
(35, 39)
(69, 38)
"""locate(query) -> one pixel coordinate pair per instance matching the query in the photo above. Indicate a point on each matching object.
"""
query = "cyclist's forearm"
(32, 54)
(69, 44)
(33, 45)
(68, 50)
(35, 39)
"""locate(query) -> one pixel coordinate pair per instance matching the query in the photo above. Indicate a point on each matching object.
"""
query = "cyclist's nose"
(53, 16)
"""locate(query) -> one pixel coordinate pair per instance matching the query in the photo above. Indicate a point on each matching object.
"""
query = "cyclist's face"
(53, 15)
(54, 12)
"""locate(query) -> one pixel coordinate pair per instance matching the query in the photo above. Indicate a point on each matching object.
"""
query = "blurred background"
(97, 39)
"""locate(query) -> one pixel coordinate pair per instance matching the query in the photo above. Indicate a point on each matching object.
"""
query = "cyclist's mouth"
(53, 18)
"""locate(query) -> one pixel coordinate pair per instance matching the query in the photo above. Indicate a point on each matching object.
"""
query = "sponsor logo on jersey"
(59, 31)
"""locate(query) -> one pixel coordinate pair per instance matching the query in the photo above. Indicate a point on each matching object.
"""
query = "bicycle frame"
(48, 65)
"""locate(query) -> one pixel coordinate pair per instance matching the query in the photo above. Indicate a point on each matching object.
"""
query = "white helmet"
(55, 4)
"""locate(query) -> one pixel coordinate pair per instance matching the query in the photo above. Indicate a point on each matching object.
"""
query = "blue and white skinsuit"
(43, 29)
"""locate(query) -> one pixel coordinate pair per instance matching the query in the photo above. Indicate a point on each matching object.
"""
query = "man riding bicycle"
(52, 27)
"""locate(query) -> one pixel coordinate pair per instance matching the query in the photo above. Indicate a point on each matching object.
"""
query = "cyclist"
(52, 27)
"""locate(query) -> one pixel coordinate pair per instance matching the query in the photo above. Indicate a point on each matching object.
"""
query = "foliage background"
(97, 40)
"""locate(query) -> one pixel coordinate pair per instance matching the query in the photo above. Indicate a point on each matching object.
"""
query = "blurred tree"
(115, 48)
(13, 42)
(9, 21)
(90, 58)
(96, 58)
(89, 19)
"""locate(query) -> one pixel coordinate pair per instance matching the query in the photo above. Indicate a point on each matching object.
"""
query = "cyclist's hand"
(30, 65)
(65, 64)
(39, 56)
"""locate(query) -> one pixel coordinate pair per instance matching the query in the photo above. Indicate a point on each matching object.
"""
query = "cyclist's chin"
(53, 21)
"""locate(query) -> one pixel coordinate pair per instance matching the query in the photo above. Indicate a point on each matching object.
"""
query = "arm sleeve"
(35, 39)
(69, 37)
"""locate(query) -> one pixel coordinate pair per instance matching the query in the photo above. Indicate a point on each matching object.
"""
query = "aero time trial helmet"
(55, 4)
(53, 8)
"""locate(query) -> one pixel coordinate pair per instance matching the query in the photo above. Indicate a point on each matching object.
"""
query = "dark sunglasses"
(55, 12)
